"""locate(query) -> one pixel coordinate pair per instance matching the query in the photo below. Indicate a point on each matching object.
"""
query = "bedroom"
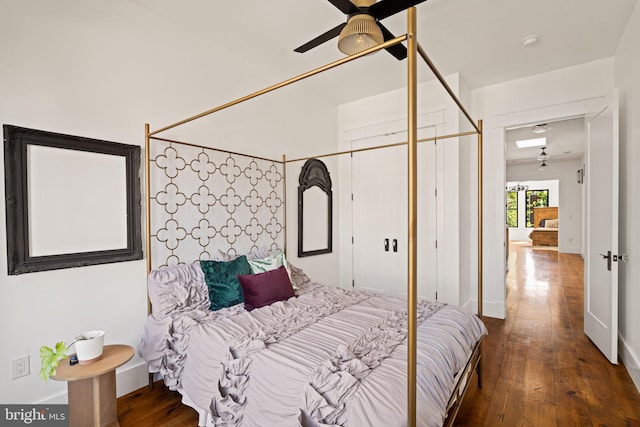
(522, 216)
(103, 71)
(565, 156)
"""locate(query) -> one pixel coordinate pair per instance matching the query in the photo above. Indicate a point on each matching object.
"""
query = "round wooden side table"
(92, 387)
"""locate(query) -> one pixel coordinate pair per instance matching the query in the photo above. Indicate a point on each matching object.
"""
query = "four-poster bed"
(414, 318)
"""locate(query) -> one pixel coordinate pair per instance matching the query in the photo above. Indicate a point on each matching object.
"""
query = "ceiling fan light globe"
(361, 33)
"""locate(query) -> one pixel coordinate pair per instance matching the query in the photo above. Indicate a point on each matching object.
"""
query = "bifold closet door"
(379, 215)
(379, 206)
(429, 210)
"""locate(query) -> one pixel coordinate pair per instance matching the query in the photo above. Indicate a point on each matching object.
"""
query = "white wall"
(569, 201)
(468, 239)
(557, 94)
(101, 70)
(627, 79)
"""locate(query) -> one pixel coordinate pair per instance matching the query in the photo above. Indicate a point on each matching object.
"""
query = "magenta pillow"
(265, 288)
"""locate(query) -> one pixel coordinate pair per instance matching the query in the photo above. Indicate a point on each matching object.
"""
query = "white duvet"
(328, 356)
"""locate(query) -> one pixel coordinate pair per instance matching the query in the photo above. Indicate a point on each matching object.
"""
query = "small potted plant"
(89, 346)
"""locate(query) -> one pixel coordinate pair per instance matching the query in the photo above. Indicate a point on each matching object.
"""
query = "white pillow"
(269, 263)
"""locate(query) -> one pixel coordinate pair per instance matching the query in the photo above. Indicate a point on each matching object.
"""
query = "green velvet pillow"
(222, 281)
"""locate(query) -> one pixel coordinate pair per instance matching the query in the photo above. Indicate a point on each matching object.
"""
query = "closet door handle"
(608, 258)
(386, 245)
(395, 245)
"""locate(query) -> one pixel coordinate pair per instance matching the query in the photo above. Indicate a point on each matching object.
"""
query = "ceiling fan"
(363, 28)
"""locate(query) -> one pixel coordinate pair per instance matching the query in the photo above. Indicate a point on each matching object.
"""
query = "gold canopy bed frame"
(413, 51)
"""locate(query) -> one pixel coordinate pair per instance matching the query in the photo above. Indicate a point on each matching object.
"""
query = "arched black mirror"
(315, 207)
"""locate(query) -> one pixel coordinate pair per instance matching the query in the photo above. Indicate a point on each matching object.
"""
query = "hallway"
(540, 369)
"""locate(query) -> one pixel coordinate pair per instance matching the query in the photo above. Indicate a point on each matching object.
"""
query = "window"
(535, 199)
(512, 209)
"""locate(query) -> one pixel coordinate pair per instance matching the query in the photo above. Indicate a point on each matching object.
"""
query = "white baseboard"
(630, 361)
(132, 378)
(57, 399)
(570, 250)
(127, 380)
(489, 308)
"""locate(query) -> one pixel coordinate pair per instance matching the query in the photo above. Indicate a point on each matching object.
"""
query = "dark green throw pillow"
(222, 280)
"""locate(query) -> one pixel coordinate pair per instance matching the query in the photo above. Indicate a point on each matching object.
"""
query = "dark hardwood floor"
(539, 368)
(157, 406)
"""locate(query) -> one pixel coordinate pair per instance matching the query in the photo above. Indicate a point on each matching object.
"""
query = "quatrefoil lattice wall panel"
(204, 201)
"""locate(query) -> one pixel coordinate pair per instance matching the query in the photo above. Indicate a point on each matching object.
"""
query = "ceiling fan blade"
(334, 32)
(345, 6)
(386, 8)
(397, 50)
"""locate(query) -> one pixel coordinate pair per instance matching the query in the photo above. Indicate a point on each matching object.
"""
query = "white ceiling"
(482, 40)
(565, 140)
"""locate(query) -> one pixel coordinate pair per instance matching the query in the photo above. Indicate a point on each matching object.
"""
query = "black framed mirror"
(315, 209)
(70, 201)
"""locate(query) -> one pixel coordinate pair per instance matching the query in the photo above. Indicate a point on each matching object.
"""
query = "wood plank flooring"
(539, 368)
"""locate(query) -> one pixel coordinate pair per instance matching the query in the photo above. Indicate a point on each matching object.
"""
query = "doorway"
(549, 180)
(600, 116)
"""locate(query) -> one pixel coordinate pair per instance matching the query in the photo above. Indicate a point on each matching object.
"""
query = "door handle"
(608, 258)
(395, 245)
(386, 245)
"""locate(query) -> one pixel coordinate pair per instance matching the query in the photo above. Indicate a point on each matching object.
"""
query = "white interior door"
(377, 207)
(429, 228)
(379, 215)
(601, 266)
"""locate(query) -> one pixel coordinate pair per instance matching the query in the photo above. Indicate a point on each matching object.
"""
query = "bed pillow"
(177, 288)
(265, 288)
(551, 223)
(542, 223)
(269, 263)
(222, 281)
(298, 276)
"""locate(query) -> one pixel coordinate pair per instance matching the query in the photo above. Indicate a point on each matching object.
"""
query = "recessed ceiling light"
(530, 41)
(535, 142)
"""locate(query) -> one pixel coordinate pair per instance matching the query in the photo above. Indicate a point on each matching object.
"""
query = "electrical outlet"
(20, 367)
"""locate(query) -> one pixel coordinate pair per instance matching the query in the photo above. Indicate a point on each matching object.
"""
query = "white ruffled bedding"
(328, 356)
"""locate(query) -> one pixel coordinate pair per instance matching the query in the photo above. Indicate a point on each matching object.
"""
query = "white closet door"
(400, 222)
(377, 205)
(379, 214)
(427, 218)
